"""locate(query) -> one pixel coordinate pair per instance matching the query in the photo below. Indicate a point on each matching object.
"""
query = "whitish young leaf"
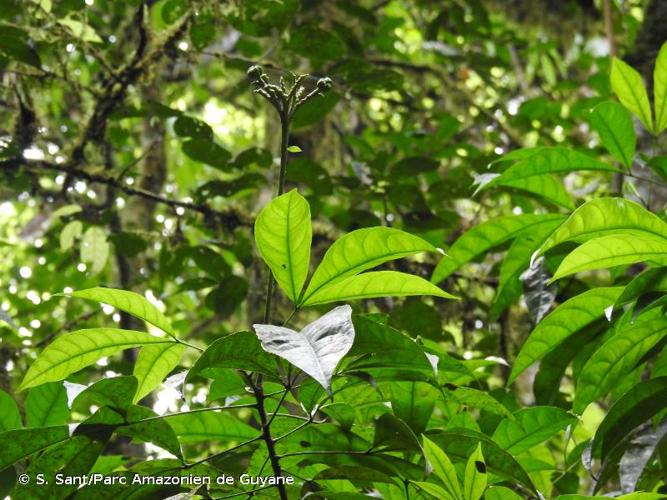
(660, 90)
(628, 86)
(613, 250)
(484, 237)
(530, 427)
(615, 358)
(73, 351)
(606, 216)
(10, 418)
(475, 477)
(46, 405)
(153, 364)
(95, 248)
(442, 467)
(361, 250)
(283, 234)
(614, 125)
(376, 284)
(316, 349)
(130, 302)
(568, 318)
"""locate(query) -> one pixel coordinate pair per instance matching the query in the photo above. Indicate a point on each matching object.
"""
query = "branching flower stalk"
(285, 98)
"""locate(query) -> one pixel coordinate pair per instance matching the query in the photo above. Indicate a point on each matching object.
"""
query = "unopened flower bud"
(324, 84)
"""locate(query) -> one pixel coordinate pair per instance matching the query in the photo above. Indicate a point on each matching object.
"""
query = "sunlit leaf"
(375, 284)
(153, 364)
(660, 90)
(130, 302)
(210, 425)
(361, 250)
(629, 87)
(613, 250)
(568, 318)
(73, 351)
(95, 248)
(10, 418)
(283, 234)
(442, 467)
(475, 475)
(46, 405)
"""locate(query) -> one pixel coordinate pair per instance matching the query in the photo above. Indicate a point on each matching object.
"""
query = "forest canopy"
(399, 249)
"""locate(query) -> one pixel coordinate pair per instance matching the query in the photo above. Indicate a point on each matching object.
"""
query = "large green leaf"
(73, 351)
(651, 280)
(130, 302)
(95, 248)
(459, 443)
(434, 490)
(530, 427)
(629, 87)
(613, 250)
(660, 90)
(615, 358)
(18, 444)
(361, 250)
(475, 477)
(568, 318)
(614, 125)
(516, 261)
(413, 402)
(46, 405)
(10, 418)
(210, 426)
(606, 216)
(556, 160)
(241, 351)
(442, 467)
(484, 237)
(147, 427)
(546, 187)
(375, 284)
(633, 409)
(115, 393)
(153, 364)
(283, 234)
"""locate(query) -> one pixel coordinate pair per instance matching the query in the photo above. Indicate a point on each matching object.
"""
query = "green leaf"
(316, 349)
(10, 418)
(130, 302)
(413, 402)
(635, 407)
(546, 187)
(73, 351)
(606, 216)
(15, 44)
(186, 126)
(475, 475)
(660, 90)
(69, 233)
(501, 493)
(442, 467)
(206, 151)
(484, 237)
(629, 87)
(650, 280)
(241, 351)
(479, 399)
(294, 149)
(283, 234)
(115, 393)
(613, 250)
(556, 160)
(568, 318)
(151, 428)
(530, 427)
(18, 444)
(516, 261)
(314, 109)
(208, 426)
(153, 364)
(375, 284)
(46, 405)
(459, 443)
(391, 433)
(434, 490)
(95, 248)
(360, 250)
(615, 358)
(614, 125)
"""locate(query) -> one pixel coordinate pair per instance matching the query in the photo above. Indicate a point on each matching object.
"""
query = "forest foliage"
(402, 249)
